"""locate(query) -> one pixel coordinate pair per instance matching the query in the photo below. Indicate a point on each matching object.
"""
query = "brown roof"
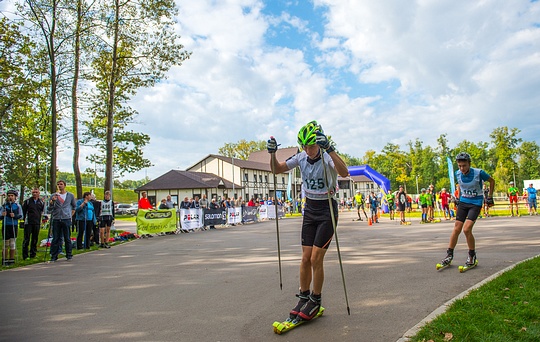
(176, 179)
(282, 154)
(246, 164)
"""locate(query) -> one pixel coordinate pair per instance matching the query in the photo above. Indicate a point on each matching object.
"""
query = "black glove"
(324, 142)
(272, 145)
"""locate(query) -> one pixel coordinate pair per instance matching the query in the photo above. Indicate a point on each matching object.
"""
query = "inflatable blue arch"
(374, 176)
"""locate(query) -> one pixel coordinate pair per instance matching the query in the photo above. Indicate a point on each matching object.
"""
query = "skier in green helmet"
(316, 160)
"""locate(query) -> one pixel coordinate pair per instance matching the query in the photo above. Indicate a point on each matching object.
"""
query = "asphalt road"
(223, 285)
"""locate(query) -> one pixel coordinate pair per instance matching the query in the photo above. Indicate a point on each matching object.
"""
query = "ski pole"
(47, 241)
(4, 236)
(277, 221)
(330, 204)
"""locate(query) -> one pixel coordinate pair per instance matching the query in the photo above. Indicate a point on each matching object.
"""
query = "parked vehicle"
(121, 208)
(133, 209)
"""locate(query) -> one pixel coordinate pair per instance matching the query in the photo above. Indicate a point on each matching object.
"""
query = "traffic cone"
(369, 222)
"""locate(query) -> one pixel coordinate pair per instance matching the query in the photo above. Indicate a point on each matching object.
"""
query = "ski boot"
(445, 262)
(311, 308)
(470, 263)
(303, 299)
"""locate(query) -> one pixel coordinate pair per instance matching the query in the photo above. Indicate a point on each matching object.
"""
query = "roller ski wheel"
(465, 268)
(405, 223)
(289, 324)
(440, 266)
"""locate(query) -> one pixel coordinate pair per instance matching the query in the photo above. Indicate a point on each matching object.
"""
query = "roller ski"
(289, 324)
(472, 262)
(405, 223)
(445, 262)
(308, 308)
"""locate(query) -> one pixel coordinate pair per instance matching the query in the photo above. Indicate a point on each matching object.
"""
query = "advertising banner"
(191, 219)
(214, 217)
(249, 214)
(156, 221)
(263, 212)
(271, 211)
(234, 215)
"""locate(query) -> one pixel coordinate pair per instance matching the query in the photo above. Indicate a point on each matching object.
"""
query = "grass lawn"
(40, 256)
(505, 309)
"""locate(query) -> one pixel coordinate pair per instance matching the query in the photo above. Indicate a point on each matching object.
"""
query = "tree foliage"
(24, 120)
(242, 148)
(81, 61)
(505, 157)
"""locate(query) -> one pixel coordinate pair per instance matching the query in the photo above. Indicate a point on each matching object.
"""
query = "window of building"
(246, 177)
(266, 178)
(260, 178)
(283, 180)
(255, 178)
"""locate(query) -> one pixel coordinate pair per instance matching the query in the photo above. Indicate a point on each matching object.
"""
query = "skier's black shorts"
(317, 227)
(106, 221)
(10, 232)
(467, 211)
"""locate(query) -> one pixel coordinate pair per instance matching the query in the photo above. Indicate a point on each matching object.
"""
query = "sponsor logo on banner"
(189, 217)
(249, 214)
(158, 215)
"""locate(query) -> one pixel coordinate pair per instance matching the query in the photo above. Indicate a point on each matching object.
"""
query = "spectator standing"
(86, 220)
(485, 191)
(95, 228)
(213, 205)
(163, 204)
(195, 203)
(390, 200)
(144, 203)
(106, 219)
(513, 198)
(445, 203)
(185, 204)
(401, 201)
(169, 202)
(409, 203)
(11, 213)
(531, 198)
(423, 200)
(62, 207)
(432, 202)
(203, 203)
(32, 208)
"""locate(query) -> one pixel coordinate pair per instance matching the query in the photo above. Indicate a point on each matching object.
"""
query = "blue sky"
(371, 72)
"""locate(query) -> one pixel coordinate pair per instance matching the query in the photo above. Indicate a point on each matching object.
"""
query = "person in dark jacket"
(32, 210)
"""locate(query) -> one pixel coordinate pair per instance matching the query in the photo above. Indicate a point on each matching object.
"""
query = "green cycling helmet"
(307, 134)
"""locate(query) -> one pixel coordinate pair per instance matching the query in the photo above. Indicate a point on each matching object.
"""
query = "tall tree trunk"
(54, 114)
(110, 105)
(74, 102)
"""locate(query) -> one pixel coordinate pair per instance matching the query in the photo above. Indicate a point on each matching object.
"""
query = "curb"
(441, 309)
